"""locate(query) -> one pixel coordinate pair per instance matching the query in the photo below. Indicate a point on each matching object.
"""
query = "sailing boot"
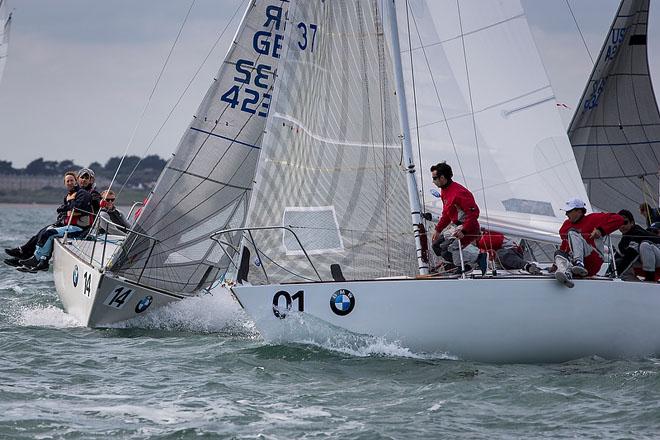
(41, 265)
(482, 262)
(579, 270)
(649, 275)
(563, 273)
(29, 262)
(14, 262)
(15, 252)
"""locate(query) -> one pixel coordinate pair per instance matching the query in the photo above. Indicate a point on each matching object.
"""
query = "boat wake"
(210, 313)
(300, 328)
(45, 316)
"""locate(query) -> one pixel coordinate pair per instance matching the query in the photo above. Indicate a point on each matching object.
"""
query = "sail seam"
(225, 138)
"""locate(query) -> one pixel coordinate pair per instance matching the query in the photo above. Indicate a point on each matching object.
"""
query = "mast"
(413, 193)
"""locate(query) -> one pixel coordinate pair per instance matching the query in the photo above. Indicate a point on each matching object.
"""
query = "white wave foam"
(212, 313)
(305, 329)
(48, 316)
(12, 284)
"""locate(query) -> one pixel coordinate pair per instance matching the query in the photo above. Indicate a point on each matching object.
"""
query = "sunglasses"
(85, 176)
(109, 200)
(436, 177)
(626, 222)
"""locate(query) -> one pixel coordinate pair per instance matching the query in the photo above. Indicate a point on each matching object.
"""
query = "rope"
(169, 115)
(437, 94)
(580, 32)
(474, 122)
(153, 90)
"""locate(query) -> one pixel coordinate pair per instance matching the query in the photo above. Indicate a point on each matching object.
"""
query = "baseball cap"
(86, 171)
(574, 203)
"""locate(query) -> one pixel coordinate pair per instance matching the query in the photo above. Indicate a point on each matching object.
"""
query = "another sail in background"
(207, 185)
(5, 24)
(331, 161)
(615, 131)
(485, 105)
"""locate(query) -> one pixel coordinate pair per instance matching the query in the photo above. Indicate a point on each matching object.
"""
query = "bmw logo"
(143, 304)
(342, 302)
(75, 276)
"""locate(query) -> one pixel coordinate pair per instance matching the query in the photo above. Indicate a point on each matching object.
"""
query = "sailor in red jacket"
(579, 253)
(458, 206)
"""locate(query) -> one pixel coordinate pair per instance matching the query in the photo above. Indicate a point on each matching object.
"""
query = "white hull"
(96, 299)
(490, 320)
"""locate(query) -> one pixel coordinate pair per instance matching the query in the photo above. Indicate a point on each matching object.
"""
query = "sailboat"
(206, 186)
(326, 241)
(615, 131)
(5, 25)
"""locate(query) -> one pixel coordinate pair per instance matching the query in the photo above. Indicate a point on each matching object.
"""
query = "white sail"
(331, 163)
(207, 185)
(485, 105)
(615, 131)
(5, 24)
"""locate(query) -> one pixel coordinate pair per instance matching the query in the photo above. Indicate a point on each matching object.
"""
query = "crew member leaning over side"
(579, 253)
(26, 250)
(77, 207)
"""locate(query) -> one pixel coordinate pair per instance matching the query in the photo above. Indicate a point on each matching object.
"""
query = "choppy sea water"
(199, 369)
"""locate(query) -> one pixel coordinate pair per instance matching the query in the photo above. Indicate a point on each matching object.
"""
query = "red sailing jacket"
(606, 222)
(458, 205)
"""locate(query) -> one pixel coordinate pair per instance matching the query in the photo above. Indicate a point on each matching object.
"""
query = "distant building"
(17, 182)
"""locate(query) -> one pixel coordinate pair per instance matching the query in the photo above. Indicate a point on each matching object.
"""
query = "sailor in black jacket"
(637, 243)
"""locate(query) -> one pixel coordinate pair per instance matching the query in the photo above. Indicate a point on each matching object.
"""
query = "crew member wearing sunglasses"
(638, 248)
(110, 213)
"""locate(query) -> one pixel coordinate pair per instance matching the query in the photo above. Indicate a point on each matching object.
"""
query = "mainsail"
(615, 131)
(5, 24)
(206, 186)
(485, 105)
(330, 168)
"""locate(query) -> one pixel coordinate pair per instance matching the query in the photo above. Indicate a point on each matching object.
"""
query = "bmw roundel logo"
(143, 304)
(342, 302)
(75, 276)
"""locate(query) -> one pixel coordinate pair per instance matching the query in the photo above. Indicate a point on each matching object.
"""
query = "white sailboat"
(615, 131)
(326, 239)
(5, 25)
(205, 187)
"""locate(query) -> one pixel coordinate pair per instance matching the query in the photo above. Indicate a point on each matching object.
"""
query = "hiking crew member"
(637, 244)
(459, 211)
(579, 253)
(86, 181)
(75, 220)
(27, 250)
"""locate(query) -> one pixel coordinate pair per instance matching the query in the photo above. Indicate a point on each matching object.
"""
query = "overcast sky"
(79, 72)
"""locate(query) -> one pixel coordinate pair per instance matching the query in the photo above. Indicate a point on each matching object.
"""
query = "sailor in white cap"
(579, 254)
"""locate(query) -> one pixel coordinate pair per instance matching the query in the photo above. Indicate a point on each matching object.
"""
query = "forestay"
(331, 167)
(615, 131)
(5, 24)
(207, 185)
(485, 105)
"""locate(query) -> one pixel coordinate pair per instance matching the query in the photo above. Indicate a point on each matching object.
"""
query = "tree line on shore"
(147, 171)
